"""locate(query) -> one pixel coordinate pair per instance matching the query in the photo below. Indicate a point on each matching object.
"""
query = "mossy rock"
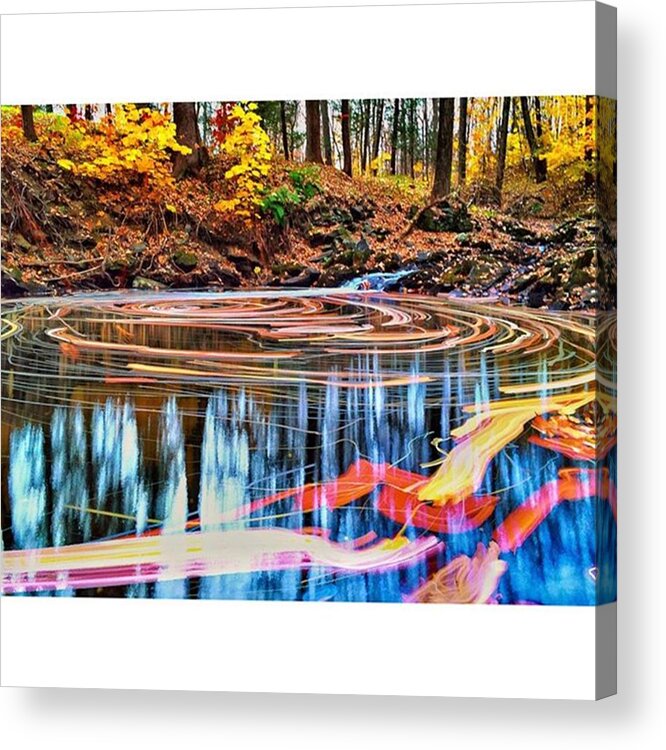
(286, 269)
(318, 237)
(141, 282)
(18, 240)
(481, 273)
(388, 261)
(117, 265)
(580, 277)
(185, 260)
(449, 280)
(445, 217)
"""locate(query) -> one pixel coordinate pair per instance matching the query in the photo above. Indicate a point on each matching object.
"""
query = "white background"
(635, 718)
(323, 647)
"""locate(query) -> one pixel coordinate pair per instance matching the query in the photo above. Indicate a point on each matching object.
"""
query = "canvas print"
(336, 350)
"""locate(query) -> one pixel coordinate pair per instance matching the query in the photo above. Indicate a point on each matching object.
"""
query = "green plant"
(278, 201)
(306, 181)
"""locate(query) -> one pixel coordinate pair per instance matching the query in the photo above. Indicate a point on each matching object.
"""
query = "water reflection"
(178, 415)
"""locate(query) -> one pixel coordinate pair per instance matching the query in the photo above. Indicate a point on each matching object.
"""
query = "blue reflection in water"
(102, 480)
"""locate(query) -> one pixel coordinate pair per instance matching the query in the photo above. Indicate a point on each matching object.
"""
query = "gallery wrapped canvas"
(313, 351)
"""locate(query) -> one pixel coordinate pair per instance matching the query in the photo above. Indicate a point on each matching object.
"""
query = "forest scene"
(310, 350)
(474, 196)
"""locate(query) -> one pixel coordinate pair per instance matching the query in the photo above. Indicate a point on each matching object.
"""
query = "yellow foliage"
(249, 145)
(130, 144)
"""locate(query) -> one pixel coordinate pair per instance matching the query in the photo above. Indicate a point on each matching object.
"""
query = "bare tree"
(346, 138)
(444, 155)
(283, 128)
(365, 138)
(312, 131)
(27, 118)
(502, 136)
(394, 135)
(379, 121)
(589, 139)
(326, 130)
(539, 164)
(462, 142)
(412, 136)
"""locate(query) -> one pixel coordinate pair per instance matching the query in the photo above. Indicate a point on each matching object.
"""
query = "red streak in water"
(572, 484)
(397, 499)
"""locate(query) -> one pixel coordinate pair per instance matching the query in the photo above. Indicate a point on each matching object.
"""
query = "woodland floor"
(60, 235)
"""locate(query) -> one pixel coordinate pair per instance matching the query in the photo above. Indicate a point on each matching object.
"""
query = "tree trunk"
(346, 138)
(108, 109)
(49, 108)
(378, 135)
(88, 112)
(444, 156)
(543, 164)
(394, 135)
(426, 138)
(28, 122)
(326, 129)
(462, 142)
(589, 139)
(187, 134)
(501, 147)
(312, 131)
(292, 130)
(403, 138)
(538, 163)
(412, 136)
(283, 127)
(365, 150)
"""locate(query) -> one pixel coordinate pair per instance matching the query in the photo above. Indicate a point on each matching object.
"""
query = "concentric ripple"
(275, 337)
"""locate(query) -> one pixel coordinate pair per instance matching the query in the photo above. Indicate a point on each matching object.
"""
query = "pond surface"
(349, 445)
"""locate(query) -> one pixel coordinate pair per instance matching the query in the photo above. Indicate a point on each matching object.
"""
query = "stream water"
(183, 416)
